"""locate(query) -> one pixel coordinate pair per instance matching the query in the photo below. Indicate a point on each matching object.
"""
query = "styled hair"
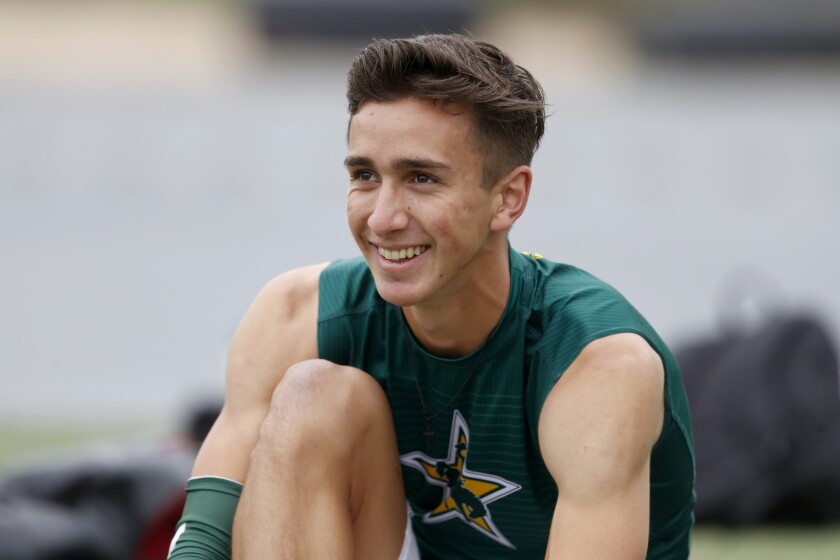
(507, 103)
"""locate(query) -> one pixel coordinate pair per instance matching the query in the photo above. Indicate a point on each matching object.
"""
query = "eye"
(424, 179)
(362, 175)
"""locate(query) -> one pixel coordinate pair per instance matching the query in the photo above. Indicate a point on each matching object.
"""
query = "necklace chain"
(429, 416)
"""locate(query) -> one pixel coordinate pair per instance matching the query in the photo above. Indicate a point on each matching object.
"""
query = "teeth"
(401, 254)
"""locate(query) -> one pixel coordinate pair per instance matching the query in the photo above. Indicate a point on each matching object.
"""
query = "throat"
(456, 330)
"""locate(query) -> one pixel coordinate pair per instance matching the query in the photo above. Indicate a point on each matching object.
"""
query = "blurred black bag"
(95, 506)
(766, 414)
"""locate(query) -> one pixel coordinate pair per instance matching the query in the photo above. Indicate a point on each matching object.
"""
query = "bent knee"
(322, 396)
(324, 382)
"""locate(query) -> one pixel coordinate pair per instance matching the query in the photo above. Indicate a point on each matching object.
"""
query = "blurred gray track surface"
(135, 227)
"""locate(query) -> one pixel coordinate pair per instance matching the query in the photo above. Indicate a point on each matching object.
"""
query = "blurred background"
(161, 160)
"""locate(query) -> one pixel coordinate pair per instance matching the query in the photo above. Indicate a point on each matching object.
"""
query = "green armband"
(204, 531)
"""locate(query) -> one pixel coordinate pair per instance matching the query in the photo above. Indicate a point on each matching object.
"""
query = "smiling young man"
(444, 396)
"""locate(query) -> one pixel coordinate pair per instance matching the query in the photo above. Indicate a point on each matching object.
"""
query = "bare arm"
(278, 331)
(596, 431)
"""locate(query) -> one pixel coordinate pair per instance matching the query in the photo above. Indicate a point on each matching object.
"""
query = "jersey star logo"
(466, 494)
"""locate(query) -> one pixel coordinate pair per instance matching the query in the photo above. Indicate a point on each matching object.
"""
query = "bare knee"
(321, 401)
(328, 450)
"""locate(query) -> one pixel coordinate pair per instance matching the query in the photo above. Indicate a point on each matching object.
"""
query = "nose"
(389, 211)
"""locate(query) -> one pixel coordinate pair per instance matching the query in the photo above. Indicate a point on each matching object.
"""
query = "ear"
(510, 198)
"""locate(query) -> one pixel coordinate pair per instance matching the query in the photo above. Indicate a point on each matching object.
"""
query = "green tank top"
(473, 474)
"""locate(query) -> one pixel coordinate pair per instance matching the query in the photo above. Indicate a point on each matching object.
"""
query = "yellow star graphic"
(466, 493)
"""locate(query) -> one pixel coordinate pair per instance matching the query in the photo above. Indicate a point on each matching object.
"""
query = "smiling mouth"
(401, 254)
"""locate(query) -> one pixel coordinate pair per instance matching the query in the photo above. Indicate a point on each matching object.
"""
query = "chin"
(396, 293)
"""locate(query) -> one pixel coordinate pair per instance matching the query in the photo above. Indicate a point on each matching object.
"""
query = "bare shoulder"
(278, 330)
(290, 296)
(604, 414)
(627, 353)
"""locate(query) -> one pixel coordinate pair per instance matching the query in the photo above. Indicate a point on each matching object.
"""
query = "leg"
(325, 479)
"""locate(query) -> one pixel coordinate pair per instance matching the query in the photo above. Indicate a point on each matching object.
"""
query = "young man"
(508, 406)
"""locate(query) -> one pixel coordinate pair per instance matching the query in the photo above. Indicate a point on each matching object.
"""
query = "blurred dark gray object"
(744, 27)
(93, 506)
(361, 19)
(201, 417)
(765, 407)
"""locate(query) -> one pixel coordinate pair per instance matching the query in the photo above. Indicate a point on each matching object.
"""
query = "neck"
(457, 325)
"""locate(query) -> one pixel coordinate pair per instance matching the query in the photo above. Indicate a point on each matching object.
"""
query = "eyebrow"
(408, 163)
(399, 163)
(357, 161)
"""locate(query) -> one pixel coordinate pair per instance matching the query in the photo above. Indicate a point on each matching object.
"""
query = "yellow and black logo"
(466, 494)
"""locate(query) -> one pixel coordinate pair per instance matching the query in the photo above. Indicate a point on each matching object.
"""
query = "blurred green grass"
(21, 442)
(766, 543)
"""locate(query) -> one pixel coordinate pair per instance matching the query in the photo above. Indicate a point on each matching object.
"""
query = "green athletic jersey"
(474, 478)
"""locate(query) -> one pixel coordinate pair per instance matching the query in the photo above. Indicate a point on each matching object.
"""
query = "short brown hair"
(508, 103)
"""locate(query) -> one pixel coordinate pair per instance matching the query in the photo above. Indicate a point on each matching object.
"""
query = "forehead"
(414, 125)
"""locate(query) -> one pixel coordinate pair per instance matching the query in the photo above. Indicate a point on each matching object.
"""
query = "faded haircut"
(508, 104)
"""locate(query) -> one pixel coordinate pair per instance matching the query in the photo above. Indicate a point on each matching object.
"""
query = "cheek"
(462, 225)
(355, 210)
(447, 225)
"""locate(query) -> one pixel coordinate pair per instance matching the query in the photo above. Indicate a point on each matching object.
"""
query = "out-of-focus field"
(21, 444)
(766, 543)
(708, 543)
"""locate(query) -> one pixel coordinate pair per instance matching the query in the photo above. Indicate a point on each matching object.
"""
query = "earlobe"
(512, 198)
